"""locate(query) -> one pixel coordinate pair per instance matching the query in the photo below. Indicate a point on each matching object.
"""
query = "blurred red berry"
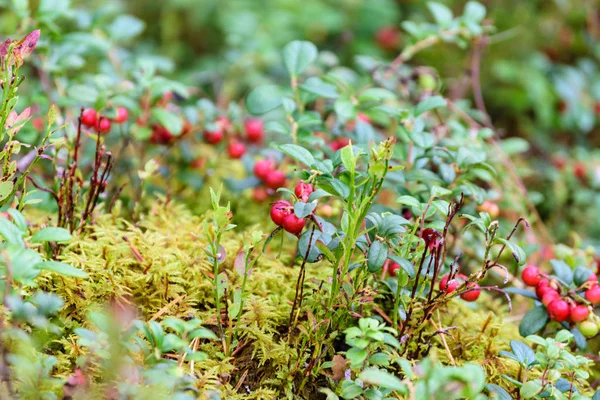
(223, 123)
(579, 313)
(262, 168)
(558, 310)
(471, 295)
(89, 117)
(339, 143)
(293, 224)
(275, 179)
(160, 135)
(236, 149)
(549, 297)
(122, 115)
(531, 275)
(393, 269)
(254, 130)
(388, 38)
(259, 194)
(103, 125)
(213, 137)
(593, 294)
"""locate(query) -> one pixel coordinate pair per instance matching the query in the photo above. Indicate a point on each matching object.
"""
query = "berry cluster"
(92, 119)
(254, 129)
(449, 285)
(282, 211)
(561, 305)
(267, 172)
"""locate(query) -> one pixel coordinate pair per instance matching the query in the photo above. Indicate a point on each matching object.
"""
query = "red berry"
(213, 137)
(593, 294)
(593, 278)
(262, 168)
(160, 135)
(388, 38)
(279, 210)
(432, 238)
(542, 287)
(103, 125)
(275, 179)
(579, 313)
(531, 275)
(122, 115)
(293, 224)
(580, 171)
(236, 149)
(393, 268)
(259, 194)
(363, 117)
(303, 190)
(448, 286)
(198, 163)
(472, 295)
(89, 117)
(339, 143)
(254, 130)
(549, 297)
(559, 310)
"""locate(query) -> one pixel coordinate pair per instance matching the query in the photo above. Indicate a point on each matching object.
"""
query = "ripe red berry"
(363, 117)
(89, 117)
(593, 294)
(549, 297)
(293, 224)
(223, 123)
(542, 287)
(303, 190)
(393, 269)
(236, 149)
(103, 125)
(122, 115)
(593, 278)
(448, 286)
(580, 171)
(531, 275)
(279, 210)
(579, 313)
(213, 137)
(472, 295)
(558, 310)
(262, 168)
(432, 238)
(388, 38)
(275, 179)
(160, 135)
(259, 194)
(339, 143)
(254, 130)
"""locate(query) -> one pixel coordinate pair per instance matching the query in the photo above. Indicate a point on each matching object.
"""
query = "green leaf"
(377, 255)
(524, 354)
(382, 378)
(125, 27)
(303, 210)
(299, 153)
(171, 121)
(348, 158)
(298, 55)
(441, 13)
(5, 189)
(10, 231)
(82, 94)
(316, 85)
(345, 109)
(498, 392)
(474, 11)
(51, 234)
(517, 251)
(562, 271)
(404, 264)
(61, 268)
(534, 321)
(351, 390)
(263, 99)
(530, 389)
(376, 94)
(428, 104)
(581, 275)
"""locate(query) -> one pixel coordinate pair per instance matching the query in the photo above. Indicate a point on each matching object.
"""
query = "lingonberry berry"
(593, 277)
(303, 190)
(531, 275)
(589, 329)
(393, 269)
(213, 137)
(254, 130)
(122, 115)
(579, 313)
(388, 38)
(262, 168)
(103, 125)
(593, 294)
(279, 210)
(542, 287)
(471, 295)
(223, 123)
(161, 135)
(275, 179)
(259, 194)
(432, 238)
(339, 143)
(549, 297)
(293, 224)
(448, 286)
(89, 117)
(236, 149)
(558, 310)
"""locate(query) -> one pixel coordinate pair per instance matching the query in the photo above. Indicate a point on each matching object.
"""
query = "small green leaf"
(474, 11)
(498, 392)
(316, 85)
(562, 271)
(61, 268)
(171, 121)
(517, 251)
(534, 321)
(5, 189)
(429, 103)
(299, 153)
(345, 109)
(383, 379)
(303, 210)
(263, 99)
(441, 13)
(348, 158)
(376, 94)
(524, 354)
(530, 389)
(10, 231)
(377, 255)
(125, 27)
(51, 234)
(298, 55)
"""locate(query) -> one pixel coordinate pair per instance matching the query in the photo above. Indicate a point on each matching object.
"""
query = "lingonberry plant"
(384, 216)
